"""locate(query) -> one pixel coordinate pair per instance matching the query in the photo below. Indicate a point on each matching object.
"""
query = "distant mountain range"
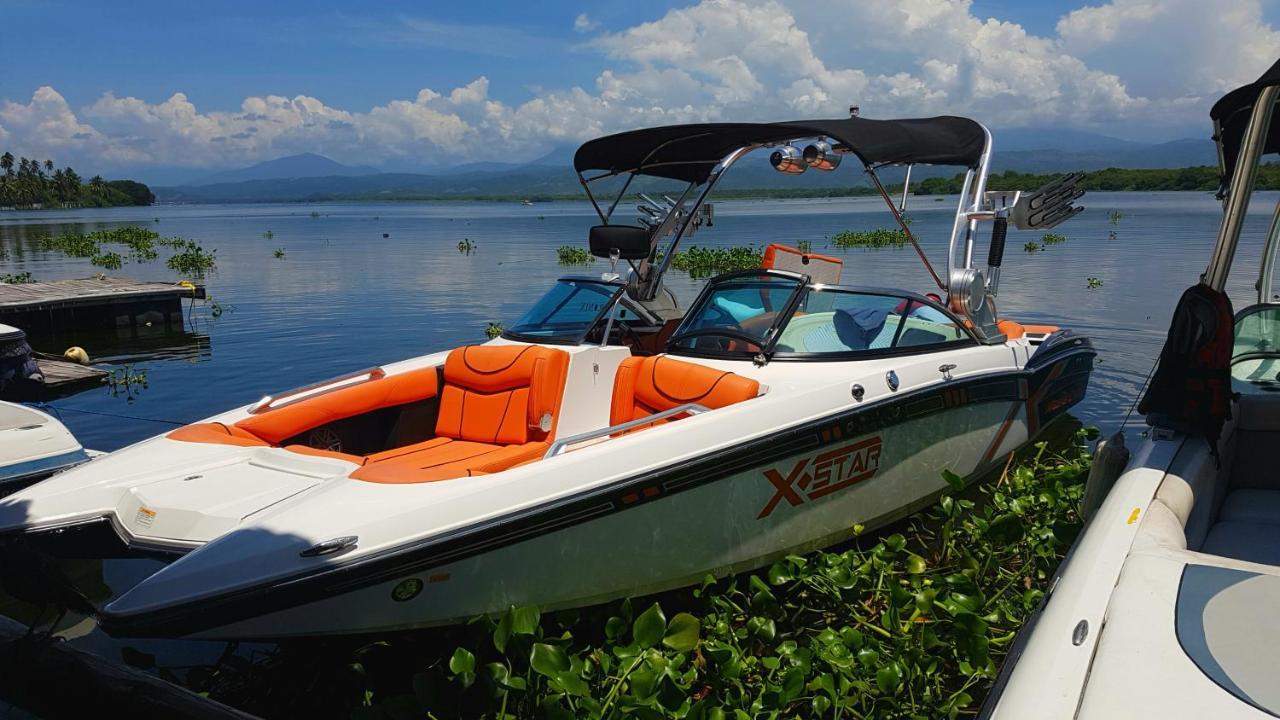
(306, 165)
(310, 177)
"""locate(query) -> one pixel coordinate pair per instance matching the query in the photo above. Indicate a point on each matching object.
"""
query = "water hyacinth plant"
(875, 239)
(21, 278)
(192, 260)
(914, 623)
(702, 262)
(141, 244)
(570, 255)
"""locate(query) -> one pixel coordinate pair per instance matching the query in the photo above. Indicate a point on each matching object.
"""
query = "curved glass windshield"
(568, 310)
(1255, 354)
(843, 321)
(737, 314)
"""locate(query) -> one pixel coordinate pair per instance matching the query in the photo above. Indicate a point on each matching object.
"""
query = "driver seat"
(648, 385)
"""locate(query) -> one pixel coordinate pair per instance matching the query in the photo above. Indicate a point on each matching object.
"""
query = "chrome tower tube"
(1236, 204)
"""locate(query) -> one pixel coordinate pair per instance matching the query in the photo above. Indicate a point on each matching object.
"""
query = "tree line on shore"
(1202, 178)
(27, 184)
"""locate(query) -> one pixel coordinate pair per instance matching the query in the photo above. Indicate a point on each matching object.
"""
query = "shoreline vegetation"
(1202, 178)
(35, 185)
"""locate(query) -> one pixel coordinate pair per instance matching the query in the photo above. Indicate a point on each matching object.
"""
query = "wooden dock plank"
(58, 373)
(57, 294)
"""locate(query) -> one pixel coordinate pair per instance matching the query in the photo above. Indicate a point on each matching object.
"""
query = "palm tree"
(6, 163)
(48, 166)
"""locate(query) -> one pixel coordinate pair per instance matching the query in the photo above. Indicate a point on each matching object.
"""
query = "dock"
(96, 302)
(63, 374)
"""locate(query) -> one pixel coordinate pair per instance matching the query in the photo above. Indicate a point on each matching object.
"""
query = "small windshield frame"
(743, 316)
(738, 314)
(877, 322)
(576, 319)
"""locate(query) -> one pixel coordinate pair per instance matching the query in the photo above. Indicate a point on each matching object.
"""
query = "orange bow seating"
(498, 408)
(279, 424)
(648, 385)
(217, 433)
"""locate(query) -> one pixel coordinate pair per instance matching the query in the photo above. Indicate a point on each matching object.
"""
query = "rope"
(57, 411)
(1138, 396)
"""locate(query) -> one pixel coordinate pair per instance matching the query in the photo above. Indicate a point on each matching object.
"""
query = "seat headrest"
(496, 368)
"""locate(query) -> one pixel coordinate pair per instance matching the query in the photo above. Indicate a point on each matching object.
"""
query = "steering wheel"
(720, 332)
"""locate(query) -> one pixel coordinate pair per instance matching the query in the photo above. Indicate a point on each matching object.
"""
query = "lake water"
(345, 297)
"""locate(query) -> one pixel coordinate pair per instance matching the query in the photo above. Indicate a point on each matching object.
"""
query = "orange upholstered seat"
(279, 424)
(649, 385)
(498, 408)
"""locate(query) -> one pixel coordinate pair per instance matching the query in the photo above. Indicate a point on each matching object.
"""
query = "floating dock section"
(94, 303)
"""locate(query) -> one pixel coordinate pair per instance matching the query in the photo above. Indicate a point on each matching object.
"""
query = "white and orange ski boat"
(610, 442)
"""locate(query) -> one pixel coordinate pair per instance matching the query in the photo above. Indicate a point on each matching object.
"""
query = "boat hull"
(737, 509)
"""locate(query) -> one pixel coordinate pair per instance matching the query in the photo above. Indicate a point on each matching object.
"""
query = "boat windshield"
(832, 322)
(781, 317)
(737, 314)
(567, 312)
(1255, 355)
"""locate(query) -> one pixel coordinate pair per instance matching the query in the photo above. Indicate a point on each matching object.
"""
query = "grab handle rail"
(268, 402)
(558, 446)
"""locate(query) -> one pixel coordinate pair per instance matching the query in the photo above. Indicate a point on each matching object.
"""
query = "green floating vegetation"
(914, 624)
(465, 246)
(21, 278)
(191, 259)
(108, 260)
(278, 253)
(570, 255)
(126, 381)
(1032, 247)
(1052, 239)
(493, 330)
(1093, 283)
(876, 239)
(702, 262)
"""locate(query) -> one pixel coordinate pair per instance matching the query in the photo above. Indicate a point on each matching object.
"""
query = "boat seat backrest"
(648, 385)
(279, 424)
(501, 394)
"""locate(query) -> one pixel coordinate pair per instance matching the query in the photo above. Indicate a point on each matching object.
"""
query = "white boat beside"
(33, 446)
(1163, 608)
(611, 442)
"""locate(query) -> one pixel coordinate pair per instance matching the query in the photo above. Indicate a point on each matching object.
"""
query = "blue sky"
(207, 85)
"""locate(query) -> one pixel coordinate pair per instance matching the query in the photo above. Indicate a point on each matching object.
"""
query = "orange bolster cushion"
(277, 425)
(215, 433)
(648, 385)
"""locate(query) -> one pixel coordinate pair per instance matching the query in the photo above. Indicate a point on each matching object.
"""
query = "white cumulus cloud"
(1127, 61)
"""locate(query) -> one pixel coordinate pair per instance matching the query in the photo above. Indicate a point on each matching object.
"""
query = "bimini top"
(689, 152)
(1231, 116)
